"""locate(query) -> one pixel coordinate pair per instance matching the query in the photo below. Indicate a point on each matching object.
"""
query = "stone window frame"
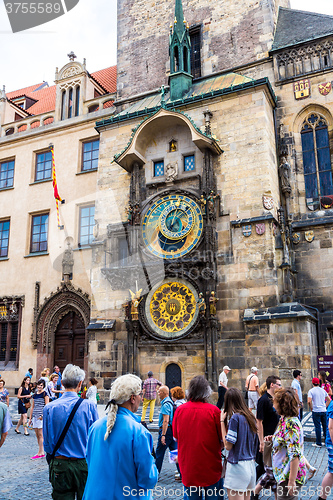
(10, 331)
(2, 239)
(4, 178)
(37, 154)
(90, 226)
(297, 127)
(83, 161)
(33, 225)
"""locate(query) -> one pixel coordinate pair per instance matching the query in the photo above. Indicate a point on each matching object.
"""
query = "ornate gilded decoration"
(212, 304)
(302, 89)
(172, 226)
(325, 88)
(171, 308)
(296, 238)
(135, 297)
(309, 236)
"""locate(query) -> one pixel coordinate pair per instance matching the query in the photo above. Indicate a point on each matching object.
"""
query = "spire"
(180, 55)
(179, 24)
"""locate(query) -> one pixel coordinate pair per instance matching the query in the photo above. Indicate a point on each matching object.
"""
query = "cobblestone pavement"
(21, 478)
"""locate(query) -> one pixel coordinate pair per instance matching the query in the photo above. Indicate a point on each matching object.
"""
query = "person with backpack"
(165, 436)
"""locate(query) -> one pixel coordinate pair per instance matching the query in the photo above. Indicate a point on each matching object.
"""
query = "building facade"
(211, 231)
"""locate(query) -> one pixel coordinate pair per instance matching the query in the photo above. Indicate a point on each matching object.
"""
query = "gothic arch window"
(316, 160)
(63, 105)
(77, 100)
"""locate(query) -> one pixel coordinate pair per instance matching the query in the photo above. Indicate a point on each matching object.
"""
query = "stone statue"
(211, 203)
(203, 204)
(212, 304)
(135, 304)
(136, 214)
(201, 305)
(68, 263)
(171, 172)
(129, 211)
(127, 309)
(284, 174)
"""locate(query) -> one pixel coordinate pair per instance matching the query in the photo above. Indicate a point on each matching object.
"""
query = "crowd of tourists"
(244, 444)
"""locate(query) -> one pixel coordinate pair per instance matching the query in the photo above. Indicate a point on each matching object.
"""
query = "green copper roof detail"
(180, 79)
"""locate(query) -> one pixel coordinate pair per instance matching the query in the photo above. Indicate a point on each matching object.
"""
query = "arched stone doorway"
(69, 341)
(59, 333)
(173, 375)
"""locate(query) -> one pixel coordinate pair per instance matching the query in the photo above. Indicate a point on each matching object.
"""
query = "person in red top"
(196, 427)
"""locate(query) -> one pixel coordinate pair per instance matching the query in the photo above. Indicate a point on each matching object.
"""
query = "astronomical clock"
(172, 227)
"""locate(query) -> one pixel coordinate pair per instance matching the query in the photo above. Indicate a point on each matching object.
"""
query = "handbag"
(27, 405)
(50, 456)
(246, 392)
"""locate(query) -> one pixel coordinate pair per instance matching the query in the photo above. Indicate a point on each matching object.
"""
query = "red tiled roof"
(46, 96)
(107, 78)
(46, 99)
(21, 92)
(108, 104)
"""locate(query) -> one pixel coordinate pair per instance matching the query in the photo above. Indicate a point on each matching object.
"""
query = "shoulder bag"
(50, 456)
(246, 392)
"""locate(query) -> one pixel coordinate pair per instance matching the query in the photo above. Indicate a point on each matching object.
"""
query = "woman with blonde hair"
(119, 450)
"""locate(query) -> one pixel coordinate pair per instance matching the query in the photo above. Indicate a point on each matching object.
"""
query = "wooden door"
(69, 341)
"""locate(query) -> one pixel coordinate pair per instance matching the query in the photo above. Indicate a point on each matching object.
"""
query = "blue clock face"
(172, 226)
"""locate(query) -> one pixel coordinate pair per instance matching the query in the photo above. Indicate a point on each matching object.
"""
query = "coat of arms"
(247, 230)
(296, 238)
(260, 228)
(309, 236)
(268, 202)
(302, 89)
(326, 201)
(325, 88)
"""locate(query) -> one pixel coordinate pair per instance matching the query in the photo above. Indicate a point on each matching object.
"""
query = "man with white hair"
(223, 386)
(67, 451)
(252, 387)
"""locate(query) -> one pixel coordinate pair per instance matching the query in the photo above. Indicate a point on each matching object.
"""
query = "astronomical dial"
(171, 308)
(172, 226)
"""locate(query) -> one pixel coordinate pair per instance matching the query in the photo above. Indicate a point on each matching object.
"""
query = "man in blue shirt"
(296, 385)
(5, 422)
(56, 370)
(165, 437)
(29, 373)
(68, 470)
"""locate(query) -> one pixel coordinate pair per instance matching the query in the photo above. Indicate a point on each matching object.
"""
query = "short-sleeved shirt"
(166, 409)
(245, 442)
(149, 386)
(3, 395)
(318, 396)
(268, 414)
(223, 379)
(297, 386)
(252, 382)
(28, 374)
(329, 414)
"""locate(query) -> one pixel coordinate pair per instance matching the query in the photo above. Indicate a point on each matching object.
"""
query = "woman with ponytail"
(119, 450)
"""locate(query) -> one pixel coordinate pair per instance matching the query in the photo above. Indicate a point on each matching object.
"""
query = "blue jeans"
(319, 417)
(161, 449)
(213, 492)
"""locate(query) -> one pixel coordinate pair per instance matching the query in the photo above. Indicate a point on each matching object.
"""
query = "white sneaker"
(312, 472)
(316, 445)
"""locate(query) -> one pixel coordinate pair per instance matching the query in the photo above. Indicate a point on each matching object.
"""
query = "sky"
(89, 29)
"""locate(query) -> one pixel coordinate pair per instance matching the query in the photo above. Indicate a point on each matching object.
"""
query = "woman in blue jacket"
(120, 463)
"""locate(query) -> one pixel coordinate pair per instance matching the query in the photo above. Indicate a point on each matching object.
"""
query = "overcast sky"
(89, 29)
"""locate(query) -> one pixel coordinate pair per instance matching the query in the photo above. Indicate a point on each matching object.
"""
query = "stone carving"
(201, 305)
(212, 304)
(284, 174)
(136, 214)
(9, 310)
(171, 172)
(68, 263)
(300, 61)
(211, 204)
(72, 71)
(65, 299)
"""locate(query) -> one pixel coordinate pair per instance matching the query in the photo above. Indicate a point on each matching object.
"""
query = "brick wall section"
(233, 32)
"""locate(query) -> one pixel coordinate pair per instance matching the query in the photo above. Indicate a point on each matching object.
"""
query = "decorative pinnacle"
(71, 56)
